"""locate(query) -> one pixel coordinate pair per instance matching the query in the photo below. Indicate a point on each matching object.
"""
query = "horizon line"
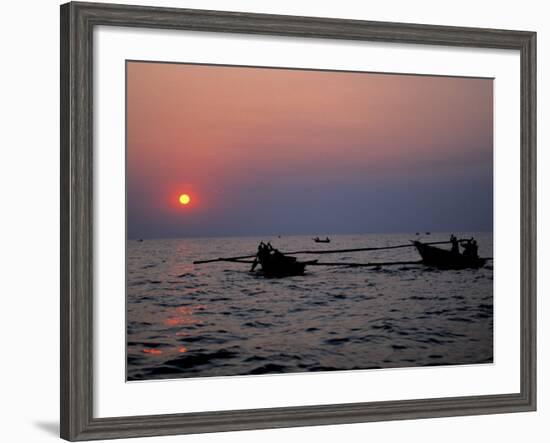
(420, 233)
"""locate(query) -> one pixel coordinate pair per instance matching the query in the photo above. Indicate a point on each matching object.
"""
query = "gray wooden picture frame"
(77, 23)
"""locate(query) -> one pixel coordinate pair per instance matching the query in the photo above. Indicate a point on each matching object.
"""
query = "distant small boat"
(320, 240)
(139, 240)
(445, 259)
(428, 233)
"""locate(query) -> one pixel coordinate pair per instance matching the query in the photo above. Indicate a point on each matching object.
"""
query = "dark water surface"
(188, 320)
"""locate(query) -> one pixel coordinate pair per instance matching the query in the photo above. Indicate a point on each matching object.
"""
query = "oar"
(234, 259)
(238, 260)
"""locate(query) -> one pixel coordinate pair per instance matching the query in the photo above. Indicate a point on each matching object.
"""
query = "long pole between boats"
(340, 251)
(321, 251)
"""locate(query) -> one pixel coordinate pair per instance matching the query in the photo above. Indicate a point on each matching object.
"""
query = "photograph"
(284, 220)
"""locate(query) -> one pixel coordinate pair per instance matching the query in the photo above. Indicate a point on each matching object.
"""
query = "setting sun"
(185, 199)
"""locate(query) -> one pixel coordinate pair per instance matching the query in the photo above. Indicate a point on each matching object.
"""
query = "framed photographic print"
(272, 221)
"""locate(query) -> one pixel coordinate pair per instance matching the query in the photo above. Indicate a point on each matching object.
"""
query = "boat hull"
(288, 270)
(444, 259)
(284, 269)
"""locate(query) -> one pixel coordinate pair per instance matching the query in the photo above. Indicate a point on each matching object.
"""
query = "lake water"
(218, 319)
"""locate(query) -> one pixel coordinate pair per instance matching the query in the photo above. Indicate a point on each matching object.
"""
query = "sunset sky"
(278, 151)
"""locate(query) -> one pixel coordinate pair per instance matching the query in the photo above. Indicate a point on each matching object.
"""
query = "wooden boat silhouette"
(445, 259)
(277, 264)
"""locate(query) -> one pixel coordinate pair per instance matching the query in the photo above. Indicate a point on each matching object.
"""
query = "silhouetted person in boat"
(263, 254)
(454, 245)
(470, 248)
(267, 253)
(474, 249)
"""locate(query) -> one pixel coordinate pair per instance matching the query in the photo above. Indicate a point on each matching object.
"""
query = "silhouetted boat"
(320, 240)
(276, 264)
(445, 259)
(284, 268)
(279, 265)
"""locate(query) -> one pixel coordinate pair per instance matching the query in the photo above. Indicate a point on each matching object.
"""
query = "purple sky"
(279, 151)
